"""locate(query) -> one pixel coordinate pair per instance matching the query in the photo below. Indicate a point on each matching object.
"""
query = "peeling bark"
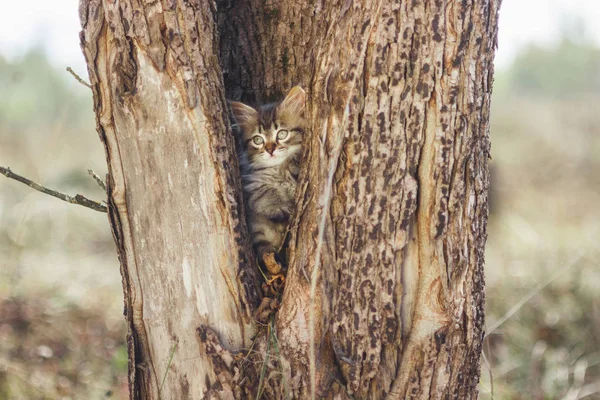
(384, 296)
(174, 200)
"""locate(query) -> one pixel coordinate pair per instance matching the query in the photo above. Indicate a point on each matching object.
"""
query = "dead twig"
(97, 179)
(84, 83)
(77, 199)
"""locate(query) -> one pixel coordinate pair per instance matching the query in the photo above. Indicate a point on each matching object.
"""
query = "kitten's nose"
(270, 147)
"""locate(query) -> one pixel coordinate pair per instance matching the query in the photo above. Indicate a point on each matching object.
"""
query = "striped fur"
(270, 143)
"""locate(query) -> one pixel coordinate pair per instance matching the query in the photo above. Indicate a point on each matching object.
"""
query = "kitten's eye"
(282, 134)
(258, 140)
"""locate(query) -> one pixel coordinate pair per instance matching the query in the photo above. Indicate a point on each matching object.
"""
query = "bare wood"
(77, 199)
(174, 201)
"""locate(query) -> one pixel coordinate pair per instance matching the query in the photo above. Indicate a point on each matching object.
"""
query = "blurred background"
(61, 326)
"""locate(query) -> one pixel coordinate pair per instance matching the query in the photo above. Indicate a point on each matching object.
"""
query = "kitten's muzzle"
(270, 147)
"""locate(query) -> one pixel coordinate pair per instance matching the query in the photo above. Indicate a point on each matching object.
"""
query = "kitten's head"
(271, 133)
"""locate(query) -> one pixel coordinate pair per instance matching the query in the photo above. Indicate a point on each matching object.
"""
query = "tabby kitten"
(270, 143)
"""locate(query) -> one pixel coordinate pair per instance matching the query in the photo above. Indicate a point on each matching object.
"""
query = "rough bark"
(384, 296)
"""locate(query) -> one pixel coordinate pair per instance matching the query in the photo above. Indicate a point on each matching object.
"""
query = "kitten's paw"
(272, 262)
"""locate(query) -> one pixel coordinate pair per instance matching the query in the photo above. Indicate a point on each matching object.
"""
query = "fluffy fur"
(270, 143)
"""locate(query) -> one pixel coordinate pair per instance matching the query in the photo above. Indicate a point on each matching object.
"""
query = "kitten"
(270, 143)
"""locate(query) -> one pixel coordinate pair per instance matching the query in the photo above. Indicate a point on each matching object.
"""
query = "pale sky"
(55, 23)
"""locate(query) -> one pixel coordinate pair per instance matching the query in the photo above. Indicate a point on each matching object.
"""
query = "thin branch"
(78, 199)
(84, 83)
(97, 179)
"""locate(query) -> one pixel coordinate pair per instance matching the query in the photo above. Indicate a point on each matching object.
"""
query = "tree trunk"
(384, 295)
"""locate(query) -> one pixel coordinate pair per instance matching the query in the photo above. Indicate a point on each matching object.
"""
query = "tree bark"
(174, 202)
(384, 295)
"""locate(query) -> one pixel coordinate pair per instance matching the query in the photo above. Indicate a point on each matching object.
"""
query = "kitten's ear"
(294, 101)
(243, 114)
